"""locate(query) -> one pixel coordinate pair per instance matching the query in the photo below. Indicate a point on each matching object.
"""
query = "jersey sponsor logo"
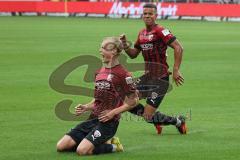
(102, 85)
(147, 46)
(165, 32)
(129, 80)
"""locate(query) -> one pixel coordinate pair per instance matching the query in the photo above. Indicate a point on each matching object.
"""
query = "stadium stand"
(174, 9)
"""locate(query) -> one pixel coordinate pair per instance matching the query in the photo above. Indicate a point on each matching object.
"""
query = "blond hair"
(113, 43)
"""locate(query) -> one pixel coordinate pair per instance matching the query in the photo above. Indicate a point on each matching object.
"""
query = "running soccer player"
(153, 42)
(114, 93)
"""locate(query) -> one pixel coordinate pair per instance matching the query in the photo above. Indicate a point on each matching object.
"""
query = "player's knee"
(60, 147)
(81, 151)
(147, 117)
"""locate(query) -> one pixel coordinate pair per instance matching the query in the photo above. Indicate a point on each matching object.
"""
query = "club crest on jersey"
(146, 37)
(109, 77)
(150, 37)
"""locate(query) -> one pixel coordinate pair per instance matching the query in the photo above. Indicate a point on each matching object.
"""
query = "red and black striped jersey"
(112, 85)
(153, 45)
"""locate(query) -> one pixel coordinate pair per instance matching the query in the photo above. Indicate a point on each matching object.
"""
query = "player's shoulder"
(159, 27)
(162, 30)
(142, 30)
(99, 70)
(124, 75)
(121, 71)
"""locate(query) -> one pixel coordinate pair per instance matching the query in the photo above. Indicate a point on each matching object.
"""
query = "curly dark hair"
(150, 5)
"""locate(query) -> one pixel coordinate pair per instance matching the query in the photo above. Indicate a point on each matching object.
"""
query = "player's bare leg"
(158, 119)
(148, 114)
(66, 143)
(85, 148)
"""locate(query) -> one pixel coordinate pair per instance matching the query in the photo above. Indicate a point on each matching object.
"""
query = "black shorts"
(93, 130)
(153, 90)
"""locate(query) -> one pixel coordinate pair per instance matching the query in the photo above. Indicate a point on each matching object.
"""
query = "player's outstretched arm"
(131, 52)
(130, 102)
(178, 53)
(81, 108)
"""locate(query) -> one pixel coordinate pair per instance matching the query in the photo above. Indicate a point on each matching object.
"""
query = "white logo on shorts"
(152, 101)
(96, 134)
(154, 95)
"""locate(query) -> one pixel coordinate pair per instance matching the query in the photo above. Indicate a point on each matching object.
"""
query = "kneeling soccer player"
(114, 93)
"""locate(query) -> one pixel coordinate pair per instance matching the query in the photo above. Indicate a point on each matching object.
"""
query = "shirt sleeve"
(166, 35)
(128, 84)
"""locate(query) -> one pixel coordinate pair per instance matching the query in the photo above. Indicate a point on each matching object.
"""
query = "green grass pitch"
(31, 48)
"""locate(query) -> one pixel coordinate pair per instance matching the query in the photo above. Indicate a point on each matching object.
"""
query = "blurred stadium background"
(218, 10)
(36, 38)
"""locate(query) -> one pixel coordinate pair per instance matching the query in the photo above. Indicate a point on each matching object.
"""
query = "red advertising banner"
(164, 9)
(17, 6)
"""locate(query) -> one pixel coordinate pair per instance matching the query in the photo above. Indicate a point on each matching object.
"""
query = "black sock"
(103, 148)
(137, 110)
(162, 119)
